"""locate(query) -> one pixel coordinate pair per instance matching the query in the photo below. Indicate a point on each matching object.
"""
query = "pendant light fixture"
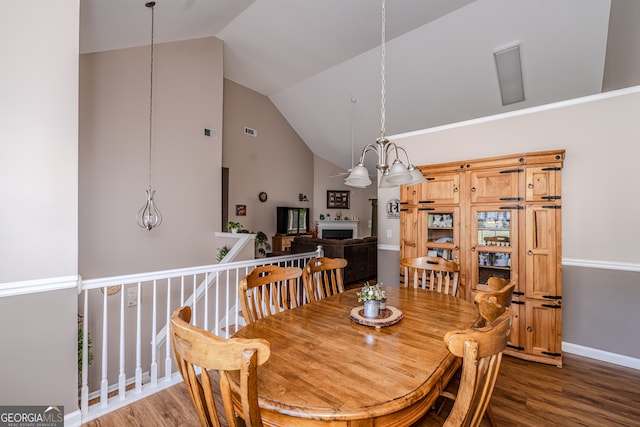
(397, 173)
(149, 215)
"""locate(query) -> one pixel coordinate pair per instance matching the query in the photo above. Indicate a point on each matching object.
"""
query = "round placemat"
(388, 316)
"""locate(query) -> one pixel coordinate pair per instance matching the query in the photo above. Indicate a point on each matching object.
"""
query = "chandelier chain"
(382, 62)
(151, 5)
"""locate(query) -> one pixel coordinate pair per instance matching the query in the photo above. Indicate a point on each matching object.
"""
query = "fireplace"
(338, 229)
(337, 234)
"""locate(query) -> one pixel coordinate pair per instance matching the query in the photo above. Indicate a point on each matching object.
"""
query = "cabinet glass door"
(494, 231)
(440, 231)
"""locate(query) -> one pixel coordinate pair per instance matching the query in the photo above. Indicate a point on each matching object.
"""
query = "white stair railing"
(129, 334)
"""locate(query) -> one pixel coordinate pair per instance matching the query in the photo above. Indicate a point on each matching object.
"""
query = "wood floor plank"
(584, 392)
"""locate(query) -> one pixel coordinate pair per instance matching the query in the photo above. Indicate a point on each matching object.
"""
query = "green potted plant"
(372, 295)
(261, 241)
(80, 344)
(233, 227)
(222, 252)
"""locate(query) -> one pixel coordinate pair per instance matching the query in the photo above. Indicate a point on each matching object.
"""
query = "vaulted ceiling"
(319, 60)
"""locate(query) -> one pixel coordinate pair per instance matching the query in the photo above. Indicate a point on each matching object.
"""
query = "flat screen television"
(292, 220)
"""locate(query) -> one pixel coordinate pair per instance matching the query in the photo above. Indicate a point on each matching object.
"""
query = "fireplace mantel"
(337, 225)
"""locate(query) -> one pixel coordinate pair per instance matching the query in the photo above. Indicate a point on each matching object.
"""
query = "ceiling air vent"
(250, 132)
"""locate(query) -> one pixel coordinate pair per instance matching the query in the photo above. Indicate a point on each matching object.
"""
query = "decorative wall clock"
(262, 196)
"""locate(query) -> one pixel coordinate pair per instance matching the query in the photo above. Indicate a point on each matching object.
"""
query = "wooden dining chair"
(496, 283)
(194, 347)
(492, 304)
(268, 290)
(323, 277)
(481, 351)
(433, 273)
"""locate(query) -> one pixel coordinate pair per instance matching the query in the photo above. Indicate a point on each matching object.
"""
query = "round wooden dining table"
(327, 369)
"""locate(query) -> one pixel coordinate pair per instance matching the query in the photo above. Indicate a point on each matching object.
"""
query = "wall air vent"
(250, 132)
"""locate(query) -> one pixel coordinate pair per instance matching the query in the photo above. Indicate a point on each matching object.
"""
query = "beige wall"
(114, 141)
(38, 142)
(328, 176)
(38, 219)
(600, 138)
(622, 64)
(276, 161)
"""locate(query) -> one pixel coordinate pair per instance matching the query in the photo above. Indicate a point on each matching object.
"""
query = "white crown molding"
(521, 112)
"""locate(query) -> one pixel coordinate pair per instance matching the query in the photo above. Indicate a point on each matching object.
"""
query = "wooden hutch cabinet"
(499, 216)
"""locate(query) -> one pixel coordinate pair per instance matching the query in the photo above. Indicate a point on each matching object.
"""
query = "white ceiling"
(313, 57)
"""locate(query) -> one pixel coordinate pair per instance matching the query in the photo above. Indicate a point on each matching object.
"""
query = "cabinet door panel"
(516, 339)
(542, 184)
(542, 264)
(442, 189)
(495, 185)
(543, 328)
(409, 195)
(409, 235)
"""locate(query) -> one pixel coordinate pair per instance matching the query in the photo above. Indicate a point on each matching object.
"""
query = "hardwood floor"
(585, 392)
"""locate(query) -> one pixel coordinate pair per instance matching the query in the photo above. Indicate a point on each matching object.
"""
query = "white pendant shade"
(359, 177)
(384, 182)
(416, 177)
(398, 174)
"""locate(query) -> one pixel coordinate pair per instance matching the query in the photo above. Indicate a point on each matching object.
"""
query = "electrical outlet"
(132, 296)
(389, 233)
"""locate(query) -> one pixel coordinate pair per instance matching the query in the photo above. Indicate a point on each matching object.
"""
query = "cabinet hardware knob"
(529, 329)
(456, 247)
(473, 189)
(455, 190)
(530, 185)
(473, 249)
(529, 252)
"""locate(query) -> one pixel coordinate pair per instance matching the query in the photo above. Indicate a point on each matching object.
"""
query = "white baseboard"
(605, 356)
(73, 419)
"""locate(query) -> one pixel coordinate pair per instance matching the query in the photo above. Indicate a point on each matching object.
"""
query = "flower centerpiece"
(372, 295)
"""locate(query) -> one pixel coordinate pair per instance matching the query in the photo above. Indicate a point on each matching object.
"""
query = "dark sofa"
(361, 254)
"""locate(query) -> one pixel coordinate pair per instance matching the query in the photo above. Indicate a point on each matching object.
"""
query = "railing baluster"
(139, 341)
(194, 305)
(84, 393)
(154, 331)
(206, 303)
(104, 382)
(181, 291)
(226, 304)
(167, 356)
(216, 319)
(122, 376)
